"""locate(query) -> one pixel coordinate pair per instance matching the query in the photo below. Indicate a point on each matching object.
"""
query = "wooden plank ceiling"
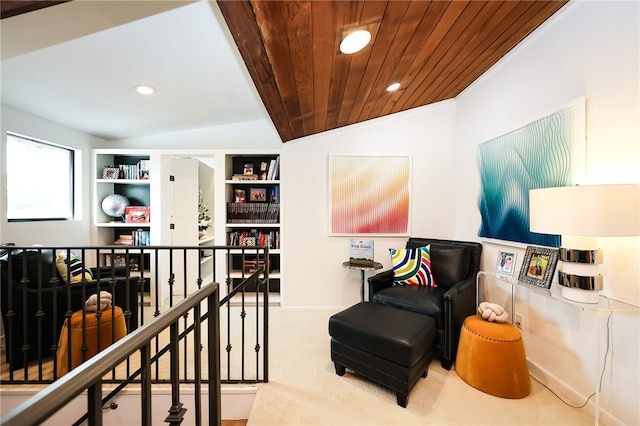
(435, 49)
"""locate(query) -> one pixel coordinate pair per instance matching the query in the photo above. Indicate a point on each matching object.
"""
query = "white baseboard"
(569, 394)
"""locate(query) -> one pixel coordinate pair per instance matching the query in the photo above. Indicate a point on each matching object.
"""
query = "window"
(39, 180)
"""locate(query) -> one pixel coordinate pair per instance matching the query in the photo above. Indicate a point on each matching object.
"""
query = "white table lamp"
(584, 211)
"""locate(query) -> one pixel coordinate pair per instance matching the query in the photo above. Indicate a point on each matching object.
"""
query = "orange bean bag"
(491, 358)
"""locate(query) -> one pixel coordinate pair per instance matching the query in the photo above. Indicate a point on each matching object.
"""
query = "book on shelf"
(361, 252)
(124, 240)
(253, 212)
(272, 164)
(141, 237)
(276, 169)
(253, 238)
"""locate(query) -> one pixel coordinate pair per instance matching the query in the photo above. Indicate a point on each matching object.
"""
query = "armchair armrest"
(459, 303)
(380, 281)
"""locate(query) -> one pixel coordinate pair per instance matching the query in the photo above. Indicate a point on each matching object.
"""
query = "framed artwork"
(548, 152)
(369, 195)
(538, 266)
(137, 214)
(247, 169)
(257, 195)
(240, 196)
(506, 263)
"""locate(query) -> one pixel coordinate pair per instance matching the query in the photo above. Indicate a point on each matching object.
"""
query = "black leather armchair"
(454, 265)
(35, 301)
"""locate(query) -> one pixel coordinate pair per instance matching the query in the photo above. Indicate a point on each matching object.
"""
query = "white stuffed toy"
(492, 312)
(91, 305)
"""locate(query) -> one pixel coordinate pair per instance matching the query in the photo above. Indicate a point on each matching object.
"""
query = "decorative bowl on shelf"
(114, 205)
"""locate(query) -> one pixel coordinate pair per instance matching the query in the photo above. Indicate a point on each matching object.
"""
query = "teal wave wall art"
(535, 156)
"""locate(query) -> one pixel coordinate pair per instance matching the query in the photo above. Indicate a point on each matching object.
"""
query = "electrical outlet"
(519, 321)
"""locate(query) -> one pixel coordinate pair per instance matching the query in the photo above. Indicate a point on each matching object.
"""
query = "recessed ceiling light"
(393, 87)
(355, 42)
(145, 90)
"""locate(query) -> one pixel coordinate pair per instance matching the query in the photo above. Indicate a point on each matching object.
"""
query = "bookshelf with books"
(123, 201)
(253, 214)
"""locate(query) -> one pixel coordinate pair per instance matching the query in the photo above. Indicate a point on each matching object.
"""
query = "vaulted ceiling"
(435, 49)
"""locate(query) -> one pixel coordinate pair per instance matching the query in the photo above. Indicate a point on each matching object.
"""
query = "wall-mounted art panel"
(548, 152)
(369, 195)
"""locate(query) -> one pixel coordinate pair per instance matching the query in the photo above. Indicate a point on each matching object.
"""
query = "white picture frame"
(506, 262)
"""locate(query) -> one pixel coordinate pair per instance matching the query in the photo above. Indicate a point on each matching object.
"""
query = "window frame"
(72, 181)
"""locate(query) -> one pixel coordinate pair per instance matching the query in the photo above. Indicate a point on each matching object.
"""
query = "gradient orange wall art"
(369, 194)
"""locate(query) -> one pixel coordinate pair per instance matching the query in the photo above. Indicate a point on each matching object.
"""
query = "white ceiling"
(76, 64)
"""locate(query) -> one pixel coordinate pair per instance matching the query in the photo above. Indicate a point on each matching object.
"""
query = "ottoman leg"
(402, 399)
(339, 369)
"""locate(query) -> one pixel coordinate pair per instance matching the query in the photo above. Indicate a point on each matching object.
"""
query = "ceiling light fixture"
(355, 42)
(145, 90)
(393, 87)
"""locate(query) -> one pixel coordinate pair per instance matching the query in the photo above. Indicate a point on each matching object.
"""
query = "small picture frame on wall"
(538, 266)
(506, 263)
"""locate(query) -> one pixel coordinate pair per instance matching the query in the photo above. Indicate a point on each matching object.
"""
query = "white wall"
(74, 232)
(314, 276)
(590, 49)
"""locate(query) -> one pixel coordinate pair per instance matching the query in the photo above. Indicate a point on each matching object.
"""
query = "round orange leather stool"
(491, 358)
(84, 338)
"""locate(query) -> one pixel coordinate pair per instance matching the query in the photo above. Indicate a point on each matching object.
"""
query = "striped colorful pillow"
(75, 268)
(412, 266)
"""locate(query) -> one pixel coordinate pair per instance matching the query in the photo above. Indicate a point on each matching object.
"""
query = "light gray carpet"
(304, 389)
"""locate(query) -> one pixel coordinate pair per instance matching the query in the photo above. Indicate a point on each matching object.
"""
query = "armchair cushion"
(420, 299)
(450, 264)
(412, 267)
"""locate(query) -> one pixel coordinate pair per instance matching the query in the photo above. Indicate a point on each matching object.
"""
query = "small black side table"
(362, 269)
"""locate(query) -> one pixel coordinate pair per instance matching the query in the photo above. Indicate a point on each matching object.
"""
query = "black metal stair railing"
(89, 375)
(147, 282)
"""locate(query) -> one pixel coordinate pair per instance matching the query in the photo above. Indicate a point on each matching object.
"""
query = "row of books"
(140, 170)
(139, 237)
(253, 212)
(253, 238)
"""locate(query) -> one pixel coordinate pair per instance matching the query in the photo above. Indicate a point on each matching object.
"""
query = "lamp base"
(579, 295)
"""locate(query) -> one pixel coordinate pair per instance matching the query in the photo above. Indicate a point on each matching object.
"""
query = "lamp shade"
(589, 210)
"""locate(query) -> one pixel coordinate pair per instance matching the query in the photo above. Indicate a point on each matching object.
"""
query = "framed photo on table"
(538, 266)
(506, 263)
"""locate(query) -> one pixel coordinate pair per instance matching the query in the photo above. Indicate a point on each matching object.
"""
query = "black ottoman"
(390, 346)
